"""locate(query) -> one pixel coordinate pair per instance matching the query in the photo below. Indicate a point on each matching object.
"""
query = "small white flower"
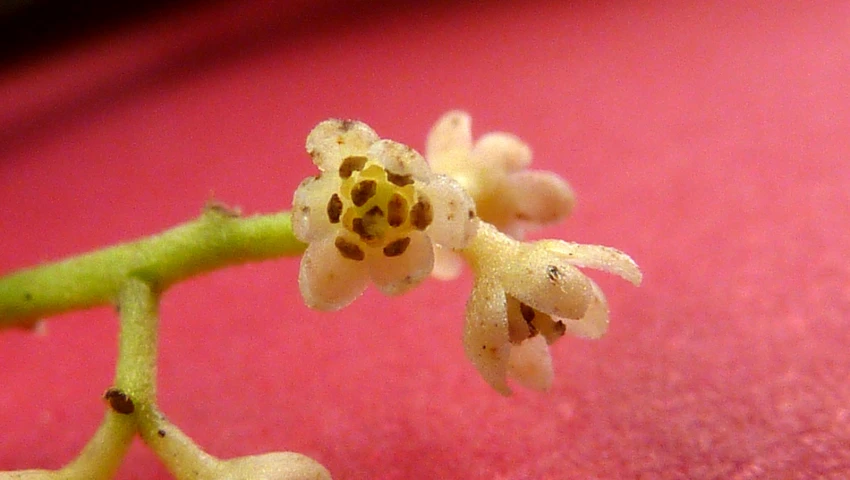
(528, 295)
(374, 212)
(494, 170)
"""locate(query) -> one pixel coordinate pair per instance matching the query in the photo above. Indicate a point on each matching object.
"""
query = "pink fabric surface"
(709, 140)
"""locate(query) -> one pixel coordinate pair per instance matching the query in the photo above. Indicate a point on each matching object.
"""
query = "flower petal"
(334, 140)
(327, 280)
(502, 151)
(449, 142)
(597, 257)
(447, 264)
(545, 282)
(594, 324)
(455, 221)
(485, 336)
(539, 197)
(399, 159)
(531, 364)
(310, 220)
(397, 274)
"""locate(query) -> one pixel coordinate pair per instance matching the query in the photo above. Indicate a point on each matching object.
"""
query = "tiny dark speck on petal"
(553, 273)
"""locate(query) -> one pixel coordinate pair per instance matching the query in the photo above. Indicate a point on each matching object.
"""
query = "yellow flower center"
(377, 208)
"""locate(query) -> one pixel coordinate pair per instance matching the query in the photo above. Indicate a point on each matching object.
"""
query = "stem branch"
(217, 239)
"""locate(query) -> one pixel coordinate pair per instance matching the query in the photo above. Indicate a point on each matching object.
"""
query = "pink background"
(707, 139)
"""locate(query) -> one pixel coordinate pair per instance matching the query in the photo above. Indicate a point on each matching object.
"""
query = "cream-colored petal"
(455, 221)
(396, 275)
(449, 142)
(485, 336)
(531, 364)
(310, 219)
(544, 281)
(333, 140)
(539, 197)
(501, 151)
(400, 159)
(327, 280)
(447, 264)
(594, 324)
(597, 257)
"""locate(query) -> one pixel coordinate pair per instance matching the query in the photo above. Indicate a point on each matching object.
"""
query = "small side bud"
(274, 466)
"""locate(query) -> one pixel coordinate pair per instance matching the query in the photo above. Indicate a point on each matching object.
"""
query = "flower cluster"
(375, 211)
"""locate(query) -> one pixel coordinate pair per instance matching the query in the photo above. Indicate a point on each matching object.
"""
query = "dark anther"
(161, 433)
(471, 214)
(396, 210)
(528, 315)
(363, 191)
(374, 212)
(119, 401)
(349, 250)
(527, 312)
(400, 180)
(553, 273)
(560, 329)
(397, 247)
(350, 165)
(421, 214)
(334, 208)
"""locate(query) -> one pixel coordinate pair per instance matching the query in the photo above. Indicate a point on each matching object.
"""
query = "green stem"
(217, 239)
(135, 385)
(135, 379)
(135, 372)
(102, 456)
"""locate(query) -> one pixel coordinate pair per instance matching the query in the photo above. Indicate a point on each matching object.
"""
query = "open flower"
(494, 172)
(375, 211)
(528, 295)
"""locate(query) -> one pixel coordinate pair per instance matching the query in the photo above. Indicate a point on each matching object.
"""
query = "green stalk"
(217, 239)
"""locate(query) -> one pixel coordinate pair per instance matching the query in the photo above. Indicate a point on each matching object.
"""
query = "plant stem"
(135, 372)
(135, 378)
(103, 454)
(217, 239)
(135, 383)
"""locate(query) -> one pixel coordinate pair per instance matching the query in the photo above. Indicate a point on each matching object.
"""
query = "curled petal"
(455, 222)
(540, 197)
(399, 159)
(597, 257)
(334, 140)
(449, 141)
(397, 274)
(547, 283)
(531, 364)
(447, 264)
(327, 280)
(310, 219)
(502, 151)
(594, 324)
(485, 336)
